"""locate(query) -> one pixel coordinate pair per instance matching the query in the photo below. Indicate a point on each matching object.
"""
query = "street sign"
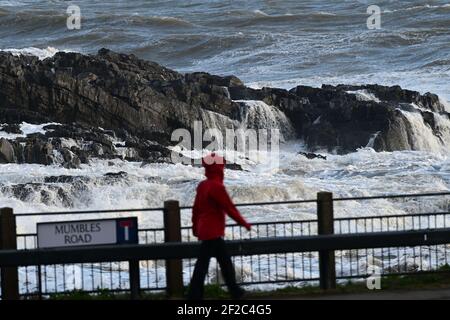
(87, 232)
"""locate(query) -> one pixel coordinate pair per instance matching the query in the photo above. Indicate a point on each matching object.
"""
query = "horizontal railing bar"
(394, 216)
(180, 250)
(265, 223)
(295, 221)
(85, 212)
(408, 195)
(239, 204)
(23, 235)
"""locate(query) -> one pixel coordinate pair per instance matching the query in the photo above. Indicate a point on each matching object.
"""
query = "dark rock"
(398, 95)
(11, 128)
(38, 151)
(330, 117)
(83, 155)
(7, 154)
(311, 155)
(233, 166)
(44, 193)
(71, 160)
(141, 103)
(228, 165)
(65, 179)
(116, 175)
(428, 118)
(110, 90)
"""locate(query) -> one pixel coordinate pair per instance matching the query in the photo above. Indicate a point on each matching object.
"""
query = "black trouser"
(208, 249)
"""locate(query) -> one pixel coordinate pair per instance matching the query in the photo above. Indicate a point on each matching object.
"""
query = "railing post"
(172, 233)
(325, 221)
(8, 241)
(135, 279)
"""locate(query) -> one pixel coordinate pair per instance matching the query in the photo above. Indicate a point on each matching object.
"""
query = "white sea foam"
(260, 13)
(257, 114)
(365, 172)
(372, 139)
(26, 128)
(362, 173)
(11, 3)
(364, 95)
(445, 103)
(38, 52)
(423, 137)
(425, 6)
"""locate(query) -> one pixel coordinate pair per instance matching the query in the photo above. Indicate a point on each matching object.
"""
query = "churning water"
(265, 43)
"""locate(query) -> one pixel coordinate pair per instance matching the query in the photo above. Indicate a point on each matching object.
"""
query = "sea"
(265, 43)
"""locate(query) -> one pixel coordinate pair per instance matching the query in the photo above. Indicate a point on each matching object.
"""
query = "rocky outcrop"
(344, 118)
(72, 145)
(109, 90)
(64, 190)
(108, 97)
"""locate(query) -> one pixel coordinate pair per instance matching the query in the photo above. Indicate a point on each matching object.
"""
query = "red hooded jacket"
(212, 202)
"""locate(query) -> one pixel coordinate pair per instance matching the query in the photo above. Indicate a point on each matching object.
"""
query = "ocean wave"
(437, 63)
(35, 18)
(38, 18)
(11, 3)
(32, 51)
(287, 15)
(425, 6)
(258, 17)
(393, 39)
(164, 21)
(143, 20)
(193, 46)
(260, 13)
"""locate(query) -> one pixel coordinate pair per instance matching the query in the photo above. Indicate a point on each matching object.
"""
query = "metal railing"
(262, 271)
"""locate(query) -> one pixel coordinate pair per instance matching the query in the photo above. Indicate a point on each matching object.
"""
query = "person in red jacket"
(212, 204)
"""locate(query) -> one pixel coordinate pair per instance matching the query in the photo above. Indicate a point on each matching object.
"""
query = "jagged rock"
(111, 91)
(7, 154)
(71, 160)
(428, 117)
(398, 95)
(116, 175)
(65, 179)
(38, 151)
(233, 166)
(11, 128)
(228, 165)
(47, 194)
(83, 155)
(340, 121)
(139, 101)
(311, 155)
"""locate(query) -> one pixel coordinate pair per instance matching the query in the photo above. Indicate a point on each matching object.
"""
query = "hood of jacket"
(214, 167)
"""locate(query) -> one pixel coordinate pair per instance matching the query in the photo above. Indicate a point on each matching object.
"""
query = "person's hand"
(248, 226)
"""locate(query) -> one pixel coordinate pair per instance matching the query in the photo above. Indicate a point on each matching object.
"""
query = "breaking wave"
(32, 51)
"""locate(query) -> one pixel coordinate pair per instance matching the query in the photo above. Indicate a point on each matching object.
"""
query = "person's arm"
(220, 195)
